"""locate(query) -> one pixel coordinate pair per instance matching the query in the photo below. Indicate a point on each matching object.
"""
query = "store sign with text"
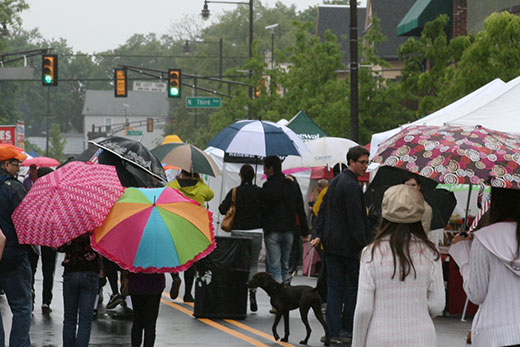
(7, 134)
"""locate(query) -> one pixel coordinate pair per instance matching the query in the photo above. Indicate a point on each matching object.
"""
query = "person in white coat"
(401, 287)
(489, 261)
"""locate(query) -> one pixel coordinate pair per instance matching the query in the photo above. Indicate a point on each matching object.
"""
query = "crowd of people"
(382, 286)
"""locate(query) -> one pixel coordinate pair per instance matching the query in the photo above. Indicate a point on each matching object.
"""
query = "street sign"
(203, 102)
(145, 86)
(134, 132)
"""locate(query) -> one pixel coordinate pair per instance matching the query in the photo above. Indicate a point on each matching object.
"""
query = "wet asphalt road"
(176, 325)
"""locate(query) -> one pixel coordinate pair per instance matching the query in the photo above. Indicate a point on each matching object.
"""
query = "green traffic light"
(174, 91)
(48, 79)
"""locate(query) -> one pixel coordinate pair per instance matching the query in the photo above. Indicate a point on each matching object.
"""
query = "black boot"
(253, 306)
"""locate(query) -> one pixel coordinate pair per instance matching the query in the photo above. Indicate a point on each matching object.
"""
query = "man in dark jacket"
(342, 226)
(15, 271)
(282, 206)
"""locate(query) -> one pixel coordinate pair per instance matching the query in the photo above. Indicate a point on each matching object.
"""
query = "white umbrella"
(325, 151)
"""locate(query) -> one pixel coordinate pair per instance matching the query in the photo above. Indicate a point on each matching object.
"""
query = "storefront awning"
(420, 13)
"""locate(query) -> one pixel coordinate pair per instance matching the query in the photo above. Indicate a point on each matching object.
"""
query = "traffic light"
(120, 83)
(49, 70)
(260, 86)
(174, 83)
(149, 125)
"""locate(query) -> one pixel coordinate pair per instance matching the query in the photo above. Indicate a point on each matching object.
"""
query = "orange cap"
(7, 153)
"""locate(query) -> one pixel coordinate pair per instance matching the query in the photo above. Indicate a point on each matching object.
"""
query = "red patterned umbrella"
(67, 203)
(455, 154)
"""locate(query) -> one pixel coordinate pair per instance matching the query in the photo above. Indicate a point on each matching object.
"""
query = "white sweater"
(490, 267)
(391, 312)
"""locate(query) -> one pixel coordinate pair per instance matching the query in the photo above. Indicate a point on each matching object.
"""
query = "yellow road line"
(215, 325)
(230, 321)
(257, 332)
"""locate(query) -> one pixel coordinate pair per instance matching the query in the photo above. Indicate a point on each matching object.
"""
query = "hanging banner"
(20, 135)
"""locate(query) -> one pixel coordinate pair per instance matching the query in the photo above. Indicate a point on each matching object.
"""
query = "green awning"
(305, 127)
(420, 13)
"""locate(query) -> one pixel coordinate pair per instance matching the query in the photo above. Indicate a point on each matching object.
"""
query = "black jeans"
(342, 282)
(48, 268)
(146, 310)
(111, 270)
(296, 253)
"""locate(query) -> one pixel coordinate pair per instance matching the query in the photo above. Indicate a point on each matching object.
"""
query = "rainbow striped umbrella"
(155, 230)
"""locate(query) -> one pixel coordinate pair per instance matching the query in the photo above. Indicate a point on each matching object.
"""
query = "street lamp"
(205, 15)
(187, 49)
(271, 27)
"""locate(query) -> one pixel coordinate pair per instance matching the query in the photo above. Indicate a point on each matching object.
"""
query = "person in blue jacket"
(15, 270)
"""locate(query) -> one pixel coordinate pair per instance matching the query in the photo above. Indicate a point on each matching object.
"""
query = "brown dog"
(285, 298)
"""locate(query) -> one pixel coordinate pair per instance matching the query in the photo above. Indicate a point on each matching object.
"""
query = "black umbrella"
(135, 164)
(441, 201)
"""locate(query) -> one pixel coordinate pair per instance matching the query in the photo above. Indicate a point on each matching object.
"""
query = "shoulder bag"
(229, 218)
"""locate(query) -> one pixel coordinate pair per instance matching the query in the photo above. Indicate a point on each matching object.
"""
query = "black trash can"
(220, 284)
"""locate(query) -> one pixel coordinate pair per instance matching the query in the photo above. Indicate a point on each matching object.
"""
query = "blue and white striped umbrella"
(258, 138)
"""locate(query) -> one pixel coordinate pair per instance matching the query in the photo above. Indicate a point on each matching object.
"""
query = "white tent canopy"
(461, 111)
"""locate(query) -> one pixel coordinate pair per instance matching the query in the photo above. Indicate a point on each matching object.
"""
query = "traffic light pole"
(48, 120)
(195, 92)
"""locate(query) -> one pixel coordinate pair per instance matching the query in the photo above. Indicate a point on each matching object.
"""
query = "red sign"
(7, 134)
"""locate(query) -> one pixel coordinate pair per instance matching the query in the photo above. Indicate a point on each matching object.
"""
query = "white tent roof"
(501, 113)
(460, 111)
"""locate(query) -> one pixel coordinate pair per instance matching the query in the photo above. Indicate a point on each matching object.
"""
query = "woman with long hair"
(489, 261)
(400, 282)
(248, 220)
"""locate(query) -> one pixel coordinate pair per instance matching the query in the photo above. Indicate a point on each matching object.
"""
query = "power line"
(79, 79)
(149, 56)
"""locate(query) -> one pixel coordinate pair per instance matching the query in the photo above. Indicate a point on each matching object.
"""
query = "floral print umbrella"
(455, 154)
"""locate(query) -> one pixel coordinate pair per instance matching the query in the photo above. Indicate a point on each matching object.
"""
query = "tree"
(493, 53)
(426, 61)
(381, 104)
(57, 143)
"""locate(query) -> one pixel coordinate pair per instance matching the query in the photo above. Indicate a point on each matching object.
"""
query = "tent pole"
(465, 225)
(256, 165)
(220, 193)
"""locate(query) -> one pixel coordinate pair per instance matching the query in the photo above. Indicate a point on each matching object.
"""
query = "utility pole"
(354, 106)
(48, 119)
(195, 94)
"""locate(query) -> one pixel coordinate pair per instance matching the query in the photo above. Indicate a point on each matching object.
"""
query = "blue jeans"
(342, 282)
(79, 295)
(16, 284)
(278, 248)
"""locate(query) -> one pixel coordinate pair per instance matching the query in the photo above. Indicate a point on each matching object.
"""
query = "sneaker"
(188, 298)
(174, 291)
(337, 339)
(46, 309)
(253, 306)
(115, 299)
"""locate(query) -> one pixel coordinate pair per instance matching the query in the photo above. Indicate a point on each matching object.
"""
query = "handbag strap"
(234, 195)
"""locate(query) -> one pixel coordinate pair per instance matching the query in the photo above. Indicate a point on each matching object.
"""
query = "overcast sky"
(97, 25)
